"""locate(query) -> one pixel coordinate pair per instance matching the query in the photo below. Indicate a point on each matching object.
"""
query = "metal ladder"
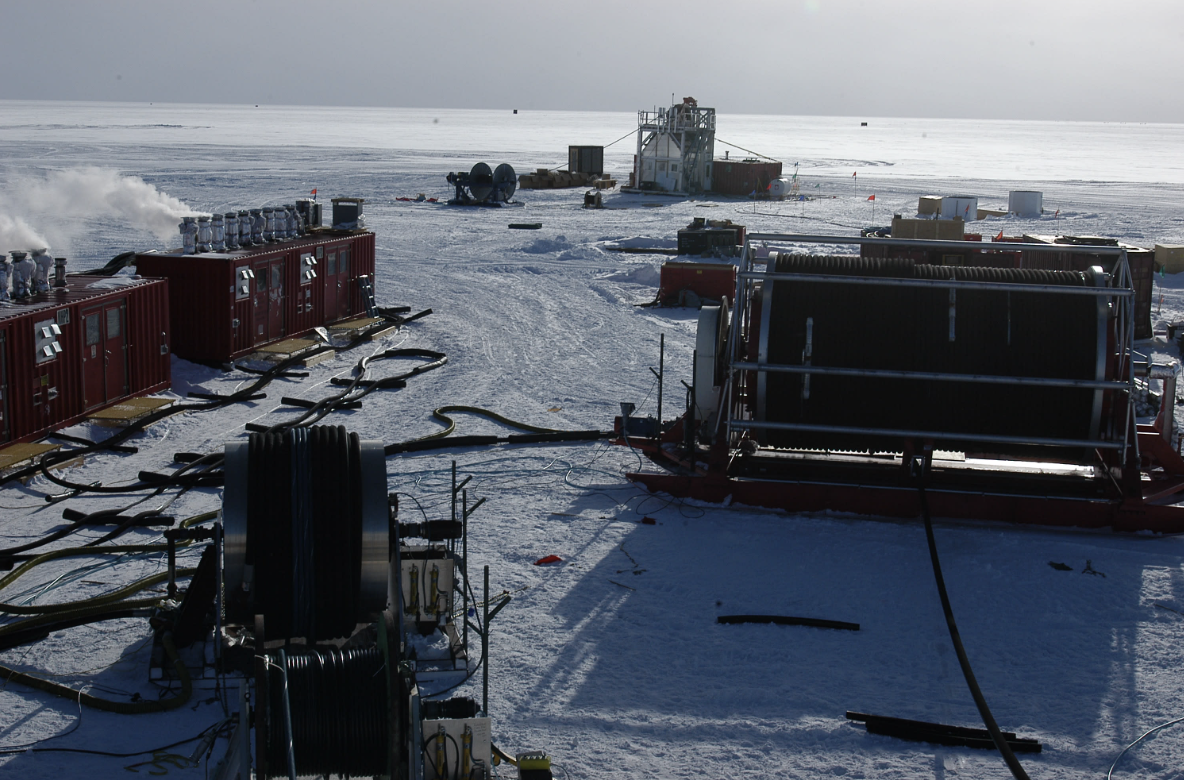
(368, 295)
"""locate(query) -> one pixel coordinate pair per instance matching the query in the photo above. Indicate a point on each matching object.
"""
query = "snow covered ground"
(612, 660)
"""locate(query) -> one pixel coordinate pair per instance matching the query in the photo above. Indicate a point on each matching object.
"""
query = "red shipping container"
(227, 304)
(710, 281)
(71, 351)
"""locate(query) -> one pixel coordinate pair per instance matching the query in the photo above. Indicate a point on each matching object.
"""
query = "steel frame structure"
(689, 127)
(1132, 474)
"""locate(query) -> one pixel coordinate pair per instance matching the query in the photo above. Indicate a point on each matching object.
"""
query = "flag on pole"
(1054, 216)
(872, 196)
(313, 193)
(1000, 236)
(966, 211)
(855, 174)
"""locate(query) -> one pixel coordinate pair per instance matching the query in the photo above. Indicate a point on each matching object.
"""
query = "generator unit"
(1015, 386)
(79, 344)
(226, 303)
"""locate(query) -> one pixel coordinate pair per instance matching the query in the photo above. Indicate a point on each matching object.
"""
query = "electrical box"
(453, 747)
(427, 584)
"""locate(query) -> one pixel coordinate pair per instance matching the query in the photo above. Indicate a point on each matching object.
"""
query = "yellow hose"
(106, 705)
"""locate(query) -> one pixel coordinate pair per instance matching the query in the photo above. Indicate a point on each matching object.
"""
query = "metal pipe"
(661, 376)
(931, 244)
(880, 281)
(937, 435)
(464, 555)
(932, 375)
(485, 650)
(288, 717)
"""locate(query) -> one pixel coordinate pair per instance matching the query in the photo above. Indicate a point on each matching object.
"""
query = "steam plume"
(15, 233)
(59, 202)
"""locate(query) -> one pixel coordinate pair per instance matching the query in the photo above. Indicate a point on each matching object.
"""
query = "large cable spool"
(1036, 334)
(480, 182)
(307, 531)
(711, 360)
(337, 703)
(505, 182)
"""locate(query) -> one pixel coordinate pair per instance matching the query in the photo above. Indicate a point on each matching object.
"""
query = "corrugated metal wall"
(214, 320)
(51, 393)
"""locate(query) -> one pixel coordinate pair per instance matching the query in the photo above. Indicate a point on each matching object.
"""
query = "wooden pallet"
(24, 453)
(287, 347)
(127, 412)
(374, 335)
(319, 357)
(351, 328)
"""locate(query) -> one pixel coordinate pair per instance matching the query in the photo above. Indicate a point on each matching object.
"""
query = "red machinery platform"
(836, 372)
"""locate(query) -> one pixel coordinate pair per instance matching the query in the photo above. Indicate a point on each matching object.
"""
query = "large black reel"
(306, 525)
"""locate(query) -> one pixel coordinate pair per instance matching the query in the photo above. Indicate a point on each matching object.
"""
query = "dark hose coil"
(885, 327)
(304, 537)
(339, 712)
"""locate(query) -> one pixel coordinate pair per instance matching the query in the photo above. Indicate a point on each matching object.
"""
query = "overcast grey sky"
(996, 59)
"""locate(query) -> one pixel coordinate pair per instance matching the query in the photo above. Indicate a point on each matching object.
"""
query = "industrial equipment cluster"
(343, 626)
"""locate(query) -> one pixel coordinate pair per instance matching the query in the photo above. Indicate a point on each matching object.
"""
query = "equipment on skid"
(313, 551)
(830, 372)
(483, 187)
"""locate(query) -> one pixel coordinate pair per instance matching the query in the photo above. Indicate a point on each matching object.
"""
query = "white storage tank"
(1025, 203)
(965, 206)
(779, 189)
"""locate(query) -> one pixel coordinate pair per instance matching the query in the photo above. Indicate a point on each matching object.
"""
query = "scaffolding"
(675, 148)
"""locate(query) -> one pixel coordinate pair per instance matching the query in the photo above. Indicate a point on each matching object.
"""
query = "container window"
(113, 323)
(92, 330)
(343, 262)
(331, 264)
(277, 277)
(261, 280)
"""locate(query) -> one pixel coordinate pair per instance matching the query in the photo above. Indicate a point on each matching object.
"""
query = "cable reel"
(307, 531)
(711, 359)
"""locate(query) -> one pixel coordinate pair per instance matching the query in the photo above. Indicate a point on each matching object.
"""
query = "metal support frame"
(732, 419)
(1134, 470)
(693, 129)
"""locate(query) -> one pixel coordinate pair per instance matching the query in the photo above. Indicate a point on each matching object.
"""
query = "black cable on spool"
(303, 576)
(338, 709)
(354, 444)
(927, 330)
(304, 531)
(335, 534)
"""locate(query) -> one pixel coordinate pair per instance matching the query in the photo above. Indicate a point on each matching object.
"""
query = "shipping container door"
(276, 300)
(5, 432)
(344, 286)
(260, 314)
(115, 333)
(104, 354)
(331, 286)
(94, 381)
